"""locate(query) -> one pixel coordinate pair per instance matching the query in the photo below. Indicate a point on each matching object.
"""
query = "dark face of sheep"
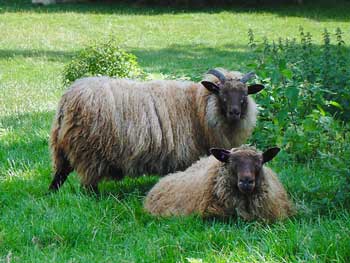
(245, 165)
(232, 94)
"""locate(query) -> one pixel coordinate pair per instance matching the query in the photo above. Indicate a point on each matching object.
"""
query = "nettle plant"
(305, 105)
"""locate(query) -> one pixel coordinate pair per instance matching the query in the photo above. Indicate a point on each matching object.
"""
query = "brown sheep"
(229, 183)
(109, 128)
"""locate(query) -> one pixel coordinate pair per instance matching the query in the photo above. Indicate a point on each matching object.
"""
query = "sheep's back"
(181, 193)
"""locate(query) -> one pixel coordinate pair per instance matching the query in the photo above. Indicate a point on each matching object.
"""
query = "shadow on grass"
(126, 188)
(122, 189)
(194, 60)
(317, 10)
(63, 56)
(174, 61)
(190, 61)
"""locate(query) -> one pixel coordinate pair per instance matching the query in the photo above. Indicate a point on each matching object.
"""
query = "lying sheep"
(229, 183)
(109, 128)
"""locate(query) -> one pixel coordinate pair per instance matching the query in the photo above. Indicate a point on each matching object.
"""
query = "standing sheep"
(109, 128)
(235, 183)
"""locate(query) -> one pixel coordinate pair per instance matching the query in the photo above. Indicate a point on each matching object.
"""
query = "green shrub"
(105, 59)
(307, 95)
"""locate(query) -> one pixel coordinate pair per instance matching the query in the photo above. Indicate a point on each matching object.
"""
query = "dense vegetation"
(304, 109)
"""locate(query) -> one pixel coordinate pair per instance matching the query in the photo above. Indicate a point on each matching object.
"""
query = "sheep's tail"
(61, 165)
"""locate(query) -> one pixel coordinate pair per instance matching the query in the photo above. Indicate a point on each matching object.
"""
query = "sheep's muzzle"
(246, 186)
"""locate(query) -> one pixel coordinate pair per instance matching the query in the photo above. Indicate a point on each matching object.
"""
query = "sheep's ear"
(269, 154)
(221, 154)
(212, 87)
(255, 88)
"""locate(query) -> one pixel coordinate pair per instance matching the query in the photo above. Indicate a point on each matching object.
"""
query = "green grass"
(70, 226)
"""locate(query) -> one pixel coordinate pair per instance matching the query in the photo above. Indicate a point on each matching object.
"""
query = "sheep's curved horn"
(247, 77)
(217, 74)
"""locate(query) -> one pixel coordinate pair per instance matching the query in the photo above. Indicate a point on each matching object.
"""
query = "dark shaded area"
(323, 10)
(63, 56)
(122, 189)
(194, 60)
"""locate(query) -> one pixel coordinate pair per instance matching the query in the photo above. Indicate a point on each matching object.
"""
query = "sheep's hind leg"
(92, 175)
(63, 169)
(95, 173)
(116, 173)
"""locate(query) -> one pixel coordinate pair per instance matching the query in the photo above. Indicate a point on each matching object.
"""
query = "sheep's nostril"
(246, 186)
(236, 112)
(246, 181)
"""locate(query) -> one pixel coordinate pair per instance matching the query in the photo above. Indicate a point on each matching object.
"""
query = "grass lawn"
(70, 226)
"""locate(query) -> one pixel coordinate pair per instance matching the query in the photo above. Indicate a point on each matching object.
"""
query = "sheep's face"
(245, 165)
(233, 97)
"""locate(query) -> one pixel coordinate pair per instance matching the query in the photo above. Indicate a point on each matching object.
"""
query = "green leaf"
(323, 113)
(287, 73)
(282, 65)
(335, 104)
(292, 94)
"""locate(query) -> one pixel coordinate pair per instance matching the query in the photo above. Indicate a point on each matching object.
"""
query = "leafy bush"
(307, 92)
(102, 59)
